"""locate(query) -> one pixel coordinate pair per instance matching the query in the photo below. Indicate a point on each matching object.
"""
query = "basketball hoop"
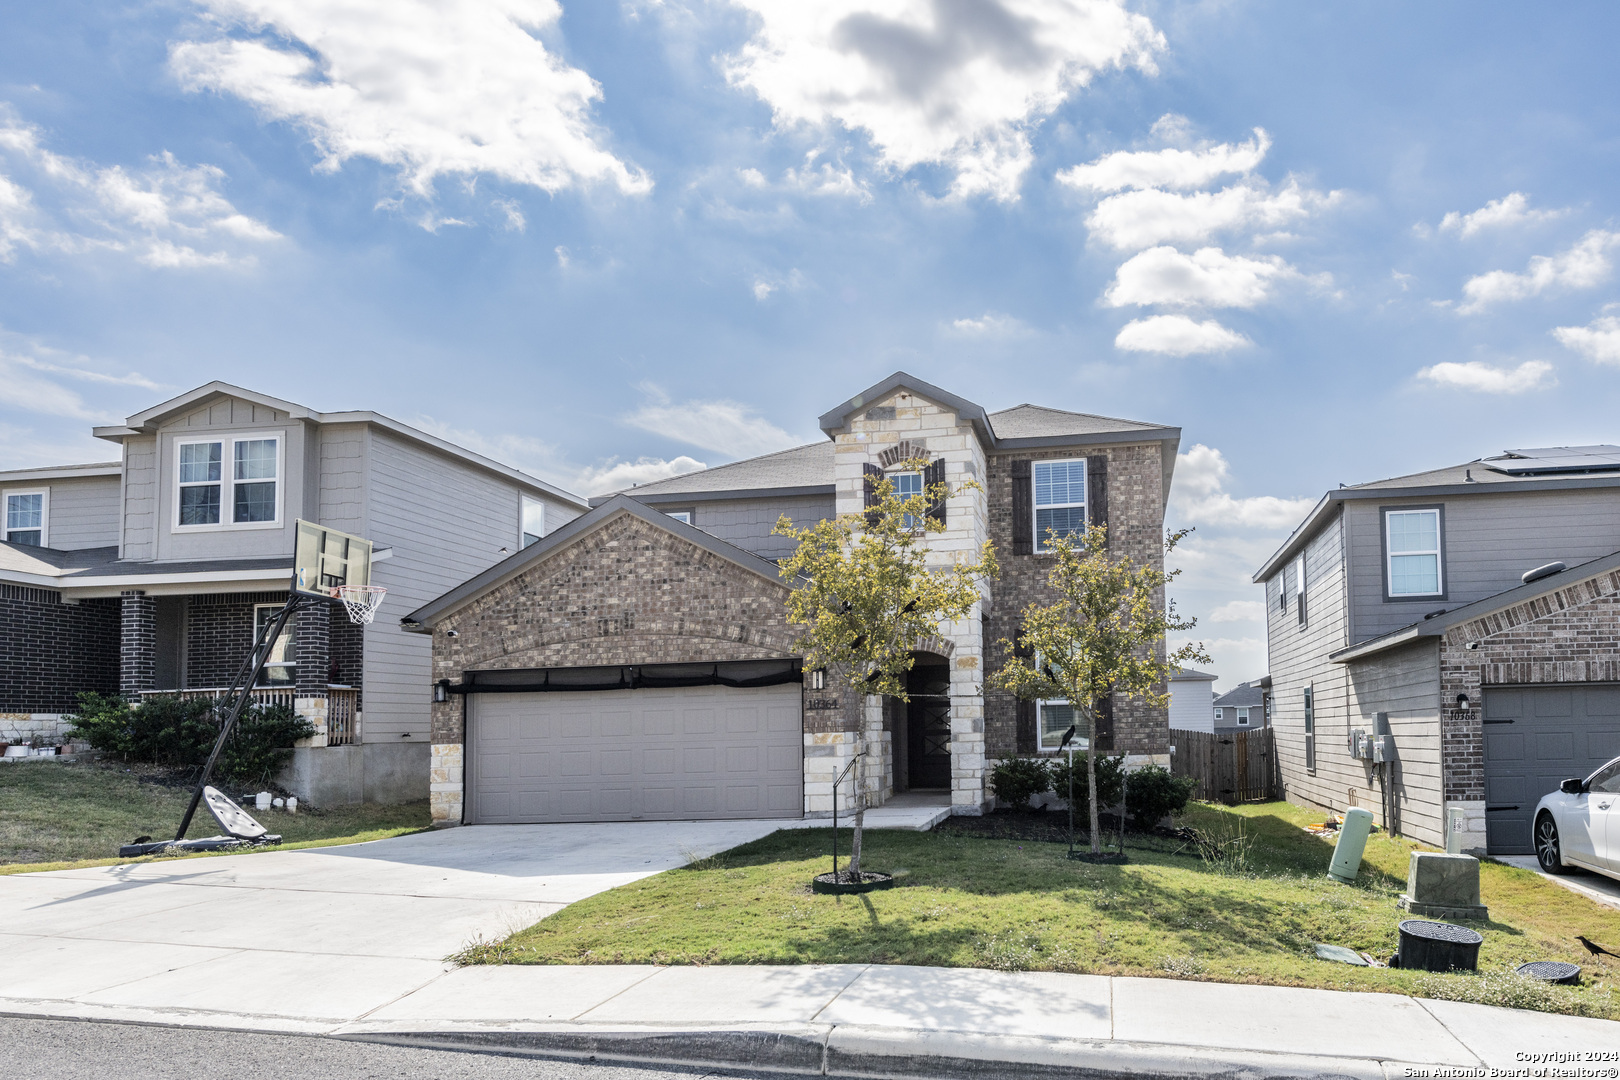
(360, 601)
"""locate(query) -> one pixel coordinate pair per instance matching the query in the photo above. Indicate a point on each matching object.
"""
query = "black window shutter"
(935, 474)
(1097, 490)
(1105, 724)
(1024, 727)
(1023, 509)
(869, 482)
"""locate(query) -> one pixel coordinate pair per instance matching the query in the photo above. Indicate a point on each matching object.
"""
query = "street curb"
(876, 1053)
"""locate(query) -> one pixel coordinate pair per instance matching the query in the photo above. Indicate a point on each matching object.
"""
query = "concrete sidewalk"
(859, 1020)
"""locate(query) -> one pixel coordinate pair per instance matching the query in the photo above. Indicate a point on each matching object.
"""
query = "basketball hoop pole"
(257, 659)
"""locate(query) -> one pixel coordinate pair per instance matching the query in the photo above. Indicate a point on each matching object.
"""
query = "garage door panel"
(625, 755)
(1535, 737)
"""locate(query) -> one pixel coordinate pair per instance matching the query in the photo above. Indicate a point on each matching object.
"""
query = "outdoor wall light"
(441, 690)
(818, 679)
(1462, 701)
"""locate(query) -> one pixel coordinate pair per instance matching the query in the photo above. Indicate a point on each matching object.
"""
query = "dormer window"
(234, 481)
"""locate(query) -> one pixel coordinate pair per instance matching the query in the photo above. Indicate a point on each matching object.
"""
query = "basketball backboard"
(324, 559)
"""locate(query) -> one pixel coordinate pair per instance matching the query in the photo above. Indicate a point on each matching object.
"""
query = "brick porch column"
(312, 646)
(137, 642)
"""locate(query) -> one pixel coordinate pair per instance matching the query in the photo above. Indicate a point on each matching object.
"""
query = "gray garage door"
(1534, 738)
(631, 755)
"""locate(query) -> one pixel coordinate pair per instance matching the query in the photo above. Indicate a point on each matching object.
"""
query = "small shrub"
(1110, 770)
(261, 745)
(1152, 792)
(1017, 780)
(179, 733)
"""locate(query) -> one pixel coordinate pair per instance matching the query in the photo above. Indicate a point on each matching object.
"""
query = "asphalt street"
(74, 1050)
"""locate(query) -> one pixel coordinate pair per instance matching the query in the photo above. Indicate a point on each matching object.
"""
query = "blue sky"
(609, 241)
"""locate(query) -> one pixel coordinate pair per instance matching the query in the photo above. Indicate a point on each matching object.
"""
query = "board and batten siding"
(445, 522)
(1404, 683)
(1297, 657)
(747, 523)
(1490, 539)
(83, 513)
(140, 496)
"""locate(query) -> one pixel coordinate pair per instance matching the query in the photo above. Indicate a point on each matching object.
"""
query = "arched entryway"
(922, 743)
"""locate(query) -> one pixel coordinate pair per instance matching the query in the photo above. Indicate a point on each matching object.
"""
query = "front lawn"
(58, 814)
(968, 900)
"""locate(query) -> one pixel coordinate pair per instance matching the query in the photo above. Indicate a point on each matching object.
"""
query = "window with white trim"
(1220, 714)
(1412, 541)
(1299, 587)
(1242, 716)
(232, 481)
(1060, 499)
(1052, 719)
(683, 516)
(26, 513)
(908, 485)
(282, 667)
(534, 522)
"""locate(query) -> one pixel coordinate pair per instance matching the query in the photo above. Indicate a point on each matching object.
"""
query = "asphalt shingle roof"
(1241, 695)
(1037, 421)
(803, 466)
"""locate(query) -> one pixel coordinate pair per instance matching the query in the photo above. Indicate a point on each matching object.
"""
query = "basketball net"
(361, 601)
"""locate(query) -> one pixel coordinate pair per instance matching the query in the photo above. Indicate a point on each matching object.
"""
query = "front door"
(928, 727)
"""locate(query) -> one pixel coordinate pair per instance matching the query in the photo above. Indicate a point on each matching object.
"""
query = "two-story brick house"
(1472, 615)
(638, 662)
(152, 573)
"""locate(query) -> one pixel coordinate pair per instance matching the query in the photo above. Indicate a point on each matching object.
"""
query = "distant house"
(1192, 694)
(1446, 642)
(1242, 708)
(152, 573)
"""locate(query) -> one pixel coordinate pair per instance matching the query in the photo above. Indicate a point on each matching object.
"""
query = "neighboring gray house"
(1192, 696)
(645, 646)
(1402, 608)
(1243, 708)
(150, 573)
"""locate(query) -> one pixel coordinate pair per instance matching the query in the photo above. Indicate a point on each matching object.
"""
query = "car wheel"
(1548, 853)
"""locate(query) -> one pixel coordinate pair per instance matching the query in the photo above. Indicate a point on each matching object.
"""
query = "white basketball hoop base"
(360, 601)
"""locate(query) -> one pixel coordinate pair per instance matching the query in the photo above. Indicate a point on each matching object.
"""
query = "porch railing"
(342, 718)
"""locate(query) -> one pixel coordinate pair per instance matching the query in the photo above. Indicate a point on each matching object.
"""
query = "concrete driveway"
(327, 934)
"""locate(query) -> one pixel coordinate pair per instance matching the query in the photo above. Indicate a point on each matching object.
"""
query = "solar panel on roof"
(1557, 459)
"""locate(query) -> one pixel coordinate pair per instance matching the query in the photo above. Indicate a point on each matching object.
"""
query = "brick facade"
(1135, 529)
(137, 642)
(50, 651)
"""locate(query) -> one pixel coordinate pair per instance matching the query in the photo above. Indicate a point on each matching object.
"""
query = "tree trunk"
(1091, 773)
(860, 810)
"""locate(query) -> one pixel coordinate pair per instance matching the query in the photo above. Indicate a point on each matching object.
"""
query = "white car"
(1579, 824)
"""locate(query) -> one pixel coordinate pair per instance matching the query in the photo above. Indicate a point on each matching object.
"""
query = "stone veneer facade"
(631, 592)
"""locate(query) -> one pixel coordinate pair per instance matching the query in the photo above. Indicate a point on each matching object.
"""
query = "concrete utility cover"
(1536, 737)
(319, 934)
(627, 755)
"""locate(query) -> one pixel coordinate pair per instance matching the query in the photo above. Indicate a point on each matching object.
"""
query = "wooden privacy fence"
(1231, 768)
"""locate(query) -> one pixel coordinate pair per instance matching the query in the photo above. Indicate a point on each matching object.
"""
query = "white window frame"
(909, 521)
(1081, 739)
(227, 481)
(286, 634)
(1220, 713)
(524, 502)
(44, 514)
(1438, 552)
(1242, 716)
(682, 516)
(1035, 507)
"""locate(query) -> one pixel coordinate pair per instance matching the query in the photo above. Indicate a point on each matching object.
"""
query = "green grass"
(56, 815)
(967, 901)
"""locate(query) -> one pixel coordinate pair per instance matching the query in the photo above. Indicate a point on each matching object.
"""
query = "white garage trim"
(631, 755)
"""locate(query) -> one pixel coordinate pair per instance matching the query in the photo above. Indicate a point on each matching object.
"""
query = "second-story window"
(1060, 499)
(244, 492)
(25, 518)
(907, 485)
(534, 521)
(1412, 540)
(1242, 716)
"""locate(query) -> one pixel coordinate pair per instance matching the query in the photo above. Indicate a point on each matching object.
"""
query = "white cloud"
(1208, 277)
(29, 391)
(429, 87)
(943, 82)
(990, 324)
(1239, 611)
(1482, 377)
(1177, 335)
(762, 289)
(1511, 209)
(726, 427)
(1198, 494)
(166, 214)
(826, 179)
(616, 475)
(1137, 219)
(1599, 340)
(1168, 168)
(1584, 265)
